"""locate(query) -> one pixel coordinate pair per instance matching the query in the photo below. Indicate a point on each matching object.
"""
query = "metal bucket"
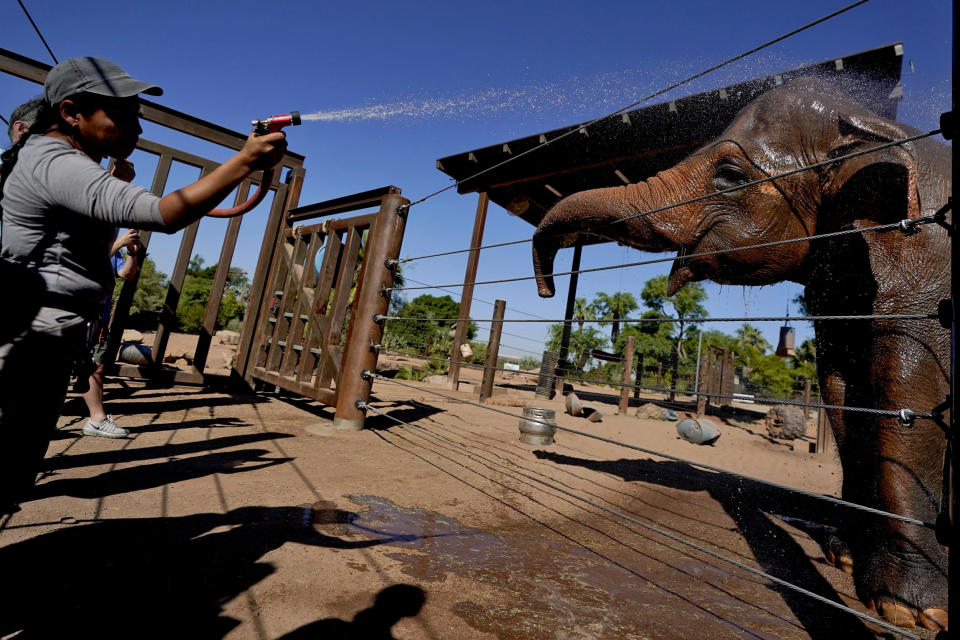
(573, 405)
(532, 427)
(699, 431)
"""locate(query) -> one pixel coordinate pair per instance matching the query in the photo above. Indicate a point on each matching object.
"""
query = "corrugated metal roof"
(636, 144)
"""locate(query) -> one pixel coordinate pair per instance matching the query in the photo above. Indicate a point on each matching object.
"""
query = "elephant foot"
(838, 553)
(904, 589)
(934, 619)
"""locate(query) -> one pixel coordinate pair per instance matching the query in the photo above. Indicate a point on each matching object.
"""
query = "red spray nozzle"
(275, 123)
(260, 128)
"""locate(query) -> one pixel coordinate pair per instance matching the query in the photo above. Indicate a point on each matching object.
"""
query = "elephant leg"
(900, 568)
(836, 546)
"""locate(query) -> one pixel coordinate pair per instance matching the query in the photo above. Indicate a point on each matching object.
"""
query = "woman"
(60, 213)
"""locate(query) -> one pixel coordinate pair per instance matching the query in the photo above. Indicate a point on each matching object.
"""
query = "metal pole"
(696, 378)
(493, 350)
(568, 316)
(363, 339)
(466, 297)
(627, 368)
(639, 377)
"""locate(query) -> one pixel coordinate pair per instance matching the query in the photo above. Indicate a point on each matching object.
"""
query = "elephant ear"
(884, 180)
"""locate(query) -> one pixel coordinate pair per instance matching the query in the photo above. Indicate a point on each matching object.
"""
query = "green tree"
(612, 308)
(149, 295)
(686, 305)
(425, 329)
(652, 341)
(195, 296)
(805, 362)
(582, 342)
(582, 311)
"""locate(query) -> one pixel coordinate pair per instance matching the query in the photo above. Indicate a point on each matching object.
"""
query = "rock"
(228, 337)
(435, 380)
(786, 422)
(651, 411)
(132, 336)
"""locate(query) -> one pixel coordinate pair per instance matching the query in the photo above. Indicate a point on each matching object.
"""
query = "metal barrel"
(532, 427)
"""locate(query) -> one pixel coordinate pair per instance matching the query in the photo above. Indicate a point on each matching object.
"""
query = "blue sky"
(454, 77)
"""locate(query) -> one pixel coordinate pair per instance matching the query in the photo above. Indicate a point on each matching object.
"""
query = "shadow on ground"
(748, 503)
(166, 577)
(391, 605)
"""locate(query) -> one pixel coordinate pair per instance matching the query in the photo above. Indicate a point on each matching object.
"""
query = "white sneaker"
(106, 428)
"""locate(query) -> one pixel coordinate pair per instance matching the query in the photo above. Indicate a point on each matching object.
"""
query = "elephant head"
(799, 124)
(898, 569)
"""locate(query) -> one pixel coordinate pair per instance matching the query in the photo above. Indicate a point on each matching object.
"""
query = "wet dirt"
(248, 517)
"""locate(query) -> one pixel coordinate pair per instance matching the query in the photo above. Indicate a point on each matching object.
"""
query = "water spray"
(260, 128)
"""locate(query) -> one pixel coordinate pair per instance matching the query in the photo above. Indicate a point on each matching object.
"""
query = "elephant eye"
(729, 176)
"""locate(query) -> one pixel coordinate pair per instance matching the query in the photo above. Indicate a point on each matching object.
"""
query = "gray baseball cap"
(92, 75)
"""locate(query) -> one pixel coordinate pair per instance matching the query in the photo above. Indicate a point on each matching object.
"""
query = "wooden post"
(364, 337)
(824, 432)
(568, 316)
(466, 295)
(627, 369)
(493, 350)
(637, 383)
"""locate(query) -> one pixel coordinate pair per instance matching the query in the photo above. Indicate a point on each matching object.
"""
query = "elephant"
(899, 568)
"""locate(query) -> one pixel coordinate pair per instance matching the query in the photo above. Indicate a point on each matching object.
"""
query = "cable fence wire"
(474, 299)
(925, 220)
(886, 413)
(698, 320)
(649, 527)
(653, 95)
(705, 196)
(701, 465)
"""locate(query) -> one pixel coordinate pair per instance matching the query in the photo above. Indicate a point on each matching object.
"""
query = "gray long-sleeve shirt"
(61, 211)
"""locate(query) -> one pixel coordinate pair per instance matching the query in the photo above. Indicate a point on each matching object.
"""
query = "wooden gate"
(316, 330)
(716, 378)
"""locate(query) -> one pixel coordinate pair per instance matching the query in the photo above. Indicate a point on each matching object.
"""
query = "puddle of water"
(545, 588)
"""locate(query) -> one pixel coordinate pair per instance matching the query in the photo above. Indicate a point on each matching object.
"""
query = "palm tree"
(582, 311)
(612, 309)
(686, 304)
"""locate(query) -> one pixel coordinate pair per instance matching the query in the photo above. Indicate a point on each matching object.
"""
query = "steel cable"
(705, 196)
(37, 29)
(532, 315)
(930, 219)
(782, 487)
(646, 99)
(887, 413)
(655, 529)
(694, 320)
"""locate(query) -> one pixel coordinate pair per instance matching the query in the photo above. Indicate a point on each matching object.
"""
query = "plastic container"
(698, 431)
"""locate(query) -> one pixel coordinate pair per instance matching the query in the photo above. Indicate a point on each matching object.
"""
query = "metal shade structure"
(634, 145)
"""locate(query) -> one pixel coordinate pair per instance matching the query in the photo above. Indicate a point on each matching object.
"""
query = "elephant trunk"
(614, 213)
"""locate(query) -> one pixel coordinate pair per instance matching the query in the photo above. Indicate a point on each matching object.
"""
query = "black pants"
(35, 370)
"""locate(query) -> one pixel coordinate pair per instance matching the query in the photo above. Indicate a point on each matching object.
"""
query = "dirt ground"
(249, 517)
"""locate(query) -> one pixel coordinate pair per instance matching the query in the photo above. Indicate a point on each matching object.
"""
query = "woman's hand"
(123, 170)
(264, 152)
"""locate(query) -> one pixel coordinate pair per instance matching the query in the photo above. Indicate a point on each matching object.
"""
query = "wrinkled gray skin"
(899, 568)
